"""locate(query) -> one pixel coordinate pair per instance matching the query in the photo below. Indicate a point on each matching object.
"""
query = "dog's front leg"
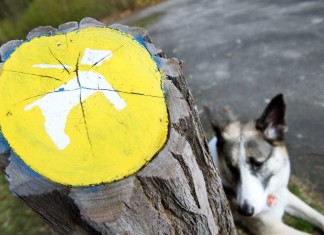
(300, 209)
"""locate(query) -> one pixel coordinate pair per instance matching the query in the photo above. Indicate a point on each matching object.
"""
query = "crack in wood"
(193, 136)
(82, 107)
(187, 172)
(125, 92)
(106, 56)
(32, 97)
(180, 214)
(32, 74)
(64, 68)
(119, 91)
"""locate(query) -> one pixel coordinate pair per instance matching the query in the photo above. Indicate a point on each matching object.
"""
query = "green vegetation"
(16, 218)
(142, 23)
(18, 17)
(307, 196)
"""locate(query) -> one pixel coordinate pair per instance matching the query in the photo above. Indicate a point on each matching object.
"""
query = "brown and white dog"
(254, 166)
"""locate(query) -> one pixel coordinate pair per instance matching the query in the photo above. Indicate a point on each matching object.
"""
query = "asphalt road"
(241, 53)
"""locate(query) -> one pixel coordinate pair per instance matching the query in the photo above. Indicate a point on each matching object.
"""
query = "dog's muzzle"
(245, 209)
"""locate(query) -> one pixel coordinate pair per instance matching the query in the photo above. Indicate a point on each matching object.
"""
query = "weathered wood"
(68, 27)
(41, 31)
(7, 48)
(177, 192)
(90, 22)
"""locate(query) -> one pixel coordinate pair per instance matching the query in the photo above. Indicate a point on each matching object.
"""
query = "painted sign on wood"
(83, 108)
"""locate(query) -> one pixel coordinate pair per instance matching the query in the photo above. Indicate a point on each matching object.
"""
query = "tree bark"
(178, 192)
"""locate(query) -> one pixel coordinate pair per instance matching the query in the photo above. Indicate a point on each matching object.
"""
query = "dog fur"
(254, 166)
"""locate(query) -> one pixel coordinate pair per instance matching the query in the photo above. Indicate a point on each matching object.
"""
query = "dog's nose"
(245, 209)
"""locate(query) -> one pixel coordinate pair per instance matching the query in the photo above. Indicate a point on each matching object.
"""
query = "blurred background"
(18, 17)
(237, 55)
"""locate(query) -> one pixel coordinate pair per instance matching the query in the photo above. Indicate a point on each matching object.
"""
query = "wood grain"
(177, 192)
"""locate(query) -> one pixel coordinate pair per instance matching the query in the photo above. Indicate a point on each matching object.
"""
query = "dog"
(254, 166)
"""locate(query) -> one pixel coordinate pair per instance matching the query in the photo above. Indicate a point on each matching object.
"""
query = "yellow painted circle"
(83, 108)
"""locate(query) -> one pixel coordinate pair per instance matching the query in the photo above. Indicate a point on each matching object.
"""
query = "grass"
(142, 23)
(54, 13)
(16, 218)
(308, 196)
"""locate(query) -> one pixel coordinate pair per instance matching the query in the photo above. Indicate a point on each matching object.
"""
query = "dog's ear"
(214, 123)
(273, 120)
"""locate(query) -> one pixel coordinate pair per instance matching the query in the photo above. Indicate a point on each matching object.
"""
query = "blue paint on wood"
(140, 40)
(94, 189)
(158, 61)
(165, 88)
(4, 146)
(14, 159)
(7, 53)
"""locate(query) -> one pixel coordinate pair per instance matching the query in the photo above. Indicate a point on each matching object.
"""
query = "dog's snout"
(245, 209)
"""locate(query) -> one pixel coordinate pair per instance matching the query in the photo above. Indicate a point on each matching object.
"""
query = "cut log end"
(176, 191)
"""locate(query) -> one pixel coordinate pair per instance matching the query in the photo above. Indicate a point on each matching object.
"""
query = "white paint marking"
(91, 57)
(52, 66)
(57, 105)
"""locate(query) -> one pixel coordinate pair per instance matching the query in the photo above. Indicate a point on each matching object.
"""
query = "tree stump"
(100, 134)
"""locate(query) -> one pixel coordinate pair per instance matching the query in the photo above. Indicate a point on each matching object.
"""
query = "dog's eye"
(254, 163)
